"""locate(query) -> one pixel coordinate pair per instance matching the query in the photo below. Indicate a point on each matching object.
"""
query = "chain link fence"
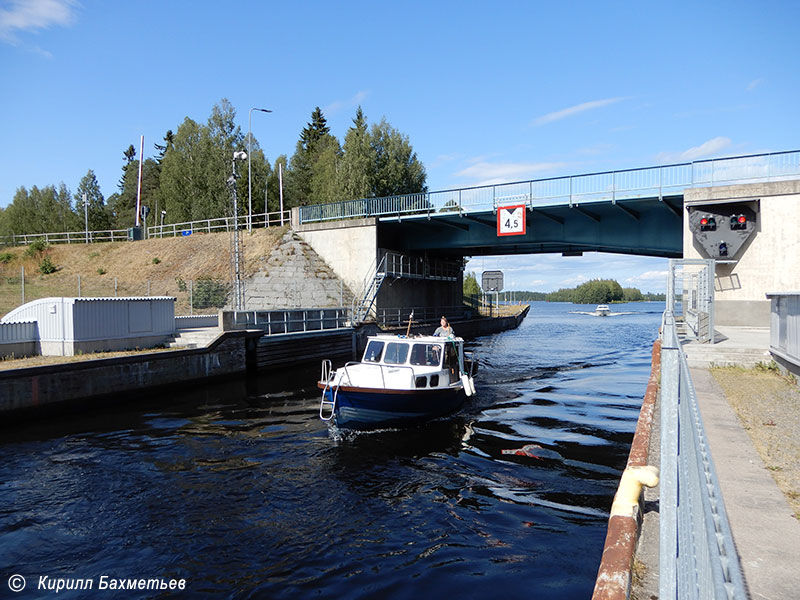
(194, 296)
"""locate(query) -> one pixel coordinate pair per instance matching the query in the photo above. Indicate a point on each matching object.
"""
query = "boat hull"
(364, 408)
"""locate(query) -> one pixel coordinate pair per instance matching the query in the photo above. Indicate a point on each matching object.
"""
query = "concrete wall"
(29, 388)
(768, 262)
(349, 247)
(295, 275)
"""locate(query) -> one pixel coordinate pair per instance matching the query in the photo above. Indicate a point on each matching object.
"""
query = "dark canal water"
(242, 491)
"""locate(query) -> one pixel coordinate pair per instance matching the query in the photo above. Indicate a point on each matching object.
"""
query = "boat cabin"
(434, 361)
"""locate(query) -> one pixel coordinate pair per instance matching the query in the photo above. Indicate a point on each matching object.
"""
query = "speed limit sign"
(511, 220)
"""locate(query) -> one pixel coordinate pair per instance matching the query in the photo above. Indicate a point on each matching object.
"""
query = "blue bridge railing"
(649, 182)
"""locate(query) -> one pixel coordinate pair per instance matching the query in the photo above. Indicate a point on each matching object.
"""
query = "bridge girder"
(645, 227)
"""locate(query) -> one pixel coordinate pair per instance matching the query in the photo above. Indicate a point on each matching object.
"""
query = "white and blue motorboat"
(602, 310)
(399, 381)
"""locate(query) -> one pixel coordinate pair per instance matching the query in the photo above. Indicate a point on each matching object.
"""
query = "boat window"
(396, 353)
(451, 362)
(426, 355)
(373, 351)
(434, 380)
(420, 381)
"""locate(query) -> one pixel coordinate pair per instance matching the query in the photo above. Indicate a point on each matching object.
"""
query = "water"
(242, 491)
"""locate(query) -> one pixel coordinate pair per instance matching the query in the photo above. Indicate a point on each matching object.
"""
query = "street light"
(236, 253)
(249, 170)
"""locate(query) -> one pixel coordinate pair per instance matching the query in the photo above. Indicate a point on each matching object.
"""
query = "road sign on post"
(511, 220)
(492, 281)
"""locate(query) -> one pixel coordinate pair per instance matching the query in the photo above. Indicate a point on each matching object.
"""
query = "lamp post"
(249, 170)
(236, 251)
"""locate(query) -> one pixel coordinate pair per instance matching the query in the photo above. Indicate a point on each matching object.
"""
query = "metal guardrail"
(418, 267)
(697, 557)
(66, 237)
(398, 317)
(573, 190)
(273, 219)
(784, 339)
(292, 320)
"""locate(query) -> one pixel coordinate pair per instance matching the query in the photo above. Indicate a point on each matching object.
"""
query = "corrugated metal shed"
(89, 324)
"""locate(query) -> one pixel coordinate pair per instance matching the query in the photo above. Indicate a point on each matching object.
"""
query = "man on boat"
(444, 330)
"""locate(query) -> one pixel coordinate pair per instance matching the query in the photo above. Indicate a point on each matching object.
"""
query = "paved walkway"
(766, 534)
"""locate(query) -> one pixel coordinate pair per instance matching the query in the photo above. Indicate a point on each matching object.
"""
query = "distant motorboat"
(602, 310)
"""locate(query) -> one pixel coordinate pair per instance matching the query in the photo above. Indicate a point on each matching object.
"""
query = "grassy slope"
(133, 265)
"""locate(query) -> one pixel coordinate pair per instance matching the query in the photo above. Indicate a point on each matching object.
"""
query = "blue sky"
(486, 93)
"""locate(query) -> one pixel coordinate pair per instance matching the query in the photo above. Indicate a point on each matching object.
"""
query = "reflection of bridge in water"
(635, 211)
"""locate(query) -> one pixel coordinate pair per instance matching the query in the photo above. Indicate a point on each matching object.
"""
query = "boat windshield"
(396, 353)
(428, 355)
(374, 351)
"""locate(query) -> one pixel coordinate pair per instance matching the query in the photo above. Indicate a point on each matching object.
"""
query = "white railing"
(66, 237)
(649, 182)
(273, 219)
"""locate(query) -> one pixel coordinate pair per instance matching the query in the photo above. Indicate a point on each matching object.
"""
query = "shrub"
(101, 271)
(6, 257)
(36, 247)
(210, 293)
(46, 266)
(156, 260)
(181, 284)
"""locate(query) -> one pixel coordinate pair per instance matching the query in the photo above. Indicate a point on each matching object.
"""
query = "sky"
(486, 93)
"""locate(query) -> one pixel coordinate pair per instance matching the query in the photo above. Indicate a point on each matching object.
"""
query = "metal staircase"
(370, 288)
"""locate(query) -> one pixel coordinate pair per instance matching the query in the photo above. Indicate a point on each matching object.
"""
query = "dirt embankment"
(149, 267)
(768, 406)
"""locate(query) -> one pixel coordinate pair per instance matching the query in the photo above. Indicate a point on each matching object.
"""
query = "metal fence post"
(668, 529)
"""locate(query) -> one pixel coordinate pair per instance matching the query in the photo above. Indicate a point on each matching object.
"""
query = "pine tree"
(357, 165)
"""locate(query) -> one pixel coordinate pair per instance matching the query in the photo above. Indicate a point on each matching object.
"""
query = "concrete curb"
(614, 575)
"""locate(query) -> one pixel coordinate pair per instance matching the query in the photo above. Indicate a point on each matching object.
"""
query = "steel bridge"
(634, 211)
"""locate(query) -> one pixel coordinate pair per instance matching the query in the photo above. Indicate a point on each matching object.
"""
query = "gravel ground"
(9, 363)
(768, 406)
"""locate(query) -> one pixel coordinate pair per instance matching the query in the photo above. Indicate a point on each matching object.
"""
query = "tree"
(471, 285)
(397, 169)
(197, 164)
(42, 210)
(121, 207)
(162, 148)
(98, 218)
(357, 164)
(315, 141)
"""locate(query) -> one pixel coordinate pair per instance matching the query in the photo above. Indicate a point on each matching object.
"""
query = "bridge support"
(766, 263)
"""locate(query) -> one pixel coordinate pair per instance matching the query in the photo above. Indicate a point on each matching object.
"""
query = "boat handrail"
(379, 365)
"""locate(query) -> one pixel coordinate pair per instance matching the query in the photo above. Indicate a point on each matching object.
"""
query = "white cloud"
(486, 173)
(754, 84)
(574, 110)
(706, 149)
(34, 15)
(338, 105)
